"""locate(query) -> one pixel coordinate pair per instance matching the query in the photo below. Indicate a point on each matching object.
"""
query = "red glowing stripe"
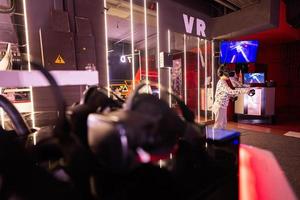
(260, 176)
(247, 190)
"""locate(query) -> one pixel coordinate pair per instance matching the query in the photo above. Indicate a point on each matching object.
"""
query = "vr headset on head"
(224, 71)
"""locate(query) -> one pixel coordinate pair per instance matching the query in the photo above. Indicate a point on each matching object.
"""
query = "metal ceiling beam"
(243, 3)
(227, 5)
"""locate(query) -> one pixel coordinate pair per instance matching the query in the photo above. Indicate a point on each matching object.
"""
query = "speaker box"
(59, 21)
(58, 50)
(85, 51)
(83, 26)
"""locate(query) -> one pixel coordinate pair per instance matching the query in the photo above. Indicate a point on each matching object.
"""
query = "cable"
(62, 127)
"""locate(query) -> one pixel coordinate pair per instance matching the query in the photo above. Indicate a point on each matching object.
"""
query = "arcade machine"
(259, 108)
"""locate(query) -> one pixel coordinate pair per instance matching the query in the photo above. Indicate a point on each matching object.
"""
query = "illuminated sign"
(59, 60)
(189, 22)
(125, 59)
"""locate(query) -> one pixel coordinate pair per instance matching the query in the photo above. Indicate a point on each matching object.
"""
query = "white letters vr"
(189, 25)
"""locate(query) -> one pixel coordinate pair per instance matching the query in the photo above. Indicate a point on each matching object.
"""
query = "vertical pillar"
(101, 54)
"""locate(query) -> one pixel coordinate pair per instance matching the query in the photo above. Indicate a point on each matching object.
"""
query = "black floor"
(285, 149)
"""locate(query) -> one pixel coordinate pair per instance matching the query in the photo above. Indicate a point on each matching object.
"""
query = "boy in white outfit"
(222, 96)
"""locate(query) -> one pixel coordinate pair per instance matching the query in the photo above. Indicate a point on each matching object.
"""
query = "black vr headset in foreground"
(102, 148)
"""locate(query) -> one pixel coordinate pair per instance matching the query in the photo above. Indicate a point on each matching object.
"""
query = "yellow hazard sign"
(59, 60)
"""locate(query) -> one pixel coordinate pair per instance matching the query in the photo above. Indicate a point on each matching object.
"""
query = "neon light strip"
(170, 74)
(41, 43)
(28, 60)
(132, 45)
(185, 84)
(205, 80)
(247, 188)
(34, 135)
(158, 47)
(201, 56)
(170, 89)
(146, 44)
(106, 48)
(32, 107)
(140, 63)
(212, 71)
(169, 41)
(26, 34)
(198, 75)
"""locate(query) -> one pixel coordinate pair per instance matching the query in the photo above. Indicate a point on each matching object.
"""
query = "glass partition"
(146, 37)
(132, 44)
(176, 46)
(133, 55)
(192, 73)
(202, 80)
(119, 49)
(209, 82)
(206, 80)
(138, 23)
(151, 27)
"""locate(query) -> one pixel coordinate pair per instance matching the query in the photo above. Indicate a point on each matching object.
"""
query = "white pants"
(220, 118)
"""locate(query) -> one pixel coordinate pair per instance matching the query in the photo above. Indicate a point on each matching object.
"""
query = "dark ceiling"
(208, 7)
(217, 8)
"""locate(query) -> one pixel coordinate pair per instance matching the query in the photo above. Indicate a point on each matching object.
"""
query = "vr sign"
(189, 22)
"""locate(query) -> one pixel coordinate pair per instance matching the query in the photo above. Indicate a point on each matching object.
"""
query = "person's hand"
(251, 92)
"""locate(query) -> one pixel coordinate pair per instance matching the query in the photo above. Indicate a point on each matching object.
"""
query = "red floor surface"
(278, 128)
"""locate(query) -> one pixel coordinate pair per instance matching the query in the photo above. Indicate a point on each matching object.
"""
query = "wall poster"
(177, 78)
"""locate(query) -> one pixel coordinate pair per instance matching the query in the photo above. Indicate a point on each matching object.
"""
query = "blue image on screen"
(239, 51)
(254, 78)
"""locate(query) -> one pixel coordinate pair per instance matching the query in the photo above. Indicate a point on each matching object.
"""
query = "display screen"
(254, 78)
(239, 51)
